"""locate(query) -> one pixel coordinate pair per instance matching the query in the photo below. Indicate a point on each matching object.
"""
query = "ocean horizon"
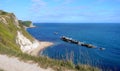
(102, 35)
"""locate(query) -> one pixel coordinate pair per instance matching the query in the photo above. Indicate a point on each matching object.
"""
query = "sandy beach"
(36, 51)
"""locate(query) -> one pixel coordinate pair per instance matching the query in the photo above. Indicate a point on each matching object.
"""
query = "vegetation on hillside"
(3, 12)
(25, 33)
(8, 32)
(25, 23)
(8, 46)
(45, 61)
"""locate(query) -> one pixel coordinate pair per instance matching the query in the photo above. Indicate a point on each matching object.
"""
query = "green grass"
(25, 23)
(45, 61)
(25, 33)
(8, 32)
(3, 12)
(8, 35)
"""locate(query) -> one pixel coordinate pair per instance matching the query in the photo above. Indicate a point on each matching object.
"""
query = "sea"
(101, 35)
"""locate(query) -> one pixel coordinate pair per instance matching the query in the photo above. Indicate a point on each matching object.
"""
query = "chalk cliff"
(13, 33)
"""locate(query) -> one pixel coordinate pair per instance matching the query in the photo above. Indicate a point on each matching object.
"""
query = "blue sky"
(78, 11)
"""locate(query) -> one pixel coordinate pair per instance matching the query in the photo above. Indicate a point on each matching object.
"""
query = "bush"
(2, 12)
(26, 23)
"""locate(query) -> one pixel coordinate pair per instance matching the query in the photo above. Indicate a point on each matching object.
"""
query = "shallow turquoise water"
(100, 35)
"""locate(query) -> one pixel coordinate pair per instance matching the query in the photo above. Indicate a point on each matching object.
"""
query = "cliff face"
(25, 43)
(13, 34)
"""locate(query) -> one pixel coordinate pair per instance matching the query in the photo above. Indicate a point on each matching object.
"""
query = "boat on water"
(70, 40)
(56, 33)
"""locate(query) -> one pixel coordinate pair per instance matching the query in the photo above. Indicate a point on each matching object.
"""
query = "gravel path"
(14, 64)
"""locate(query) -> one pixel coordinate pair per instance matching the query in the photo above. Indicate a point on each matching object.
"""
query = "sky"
(64, 11)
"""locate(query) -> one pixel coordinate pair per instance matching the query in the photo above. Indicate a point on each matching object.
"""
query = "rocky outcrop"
(15, 20)
(8, 18)
(2, 19)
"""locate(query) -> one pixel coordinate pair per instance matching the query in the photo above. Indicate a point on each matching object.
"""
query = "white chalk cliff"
(24, 43)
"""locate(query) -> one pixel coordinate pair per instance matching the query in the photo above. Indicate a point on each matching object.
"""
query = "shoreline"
(29, 27)
(42, 45)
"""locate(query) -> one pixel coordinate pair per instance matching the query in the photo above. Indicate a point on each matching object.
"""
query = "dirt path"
(14, 64)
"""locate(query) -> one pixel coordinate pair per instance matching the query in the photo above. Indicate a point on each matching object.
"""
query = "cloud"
(65, 15)
(79, 17)
(62, 11)
(68, 1)
(64, 2)
(37, 5)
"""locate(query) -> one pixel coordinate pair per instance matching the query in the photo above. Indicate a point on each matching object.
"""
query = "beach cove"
(42, 45)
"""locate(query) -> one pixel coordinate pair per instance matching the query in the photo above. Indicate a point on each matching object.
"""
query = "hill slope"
(14, 41)
(12, 33)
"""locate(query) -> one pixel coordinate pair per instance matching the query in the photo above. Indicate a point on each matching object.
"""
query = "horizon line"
(78, 22)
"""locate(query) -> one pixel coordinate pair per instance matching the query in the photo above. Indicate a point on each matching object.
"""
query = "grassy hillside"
(25, 23)
(8, 32)
(45, 62)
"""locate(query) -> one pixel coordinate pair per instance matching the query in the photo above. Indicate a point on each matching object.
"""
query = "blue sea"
(105, 35)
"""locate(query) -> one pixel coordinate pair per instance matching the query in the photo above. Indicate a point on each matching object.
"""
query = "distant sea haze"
(101, 35)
